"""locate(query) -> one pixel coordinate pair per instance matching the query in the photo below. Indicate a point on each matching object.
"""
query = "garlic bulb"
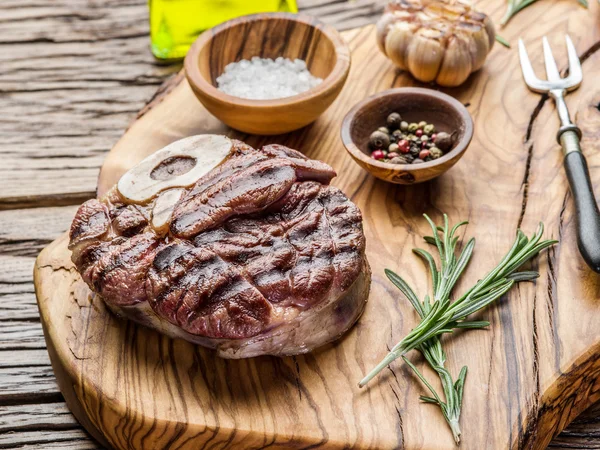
(435, 40)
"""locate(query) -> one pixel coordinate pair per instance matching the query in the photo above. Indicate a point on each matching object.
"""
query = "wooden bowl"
(269, 36)
(414, 105)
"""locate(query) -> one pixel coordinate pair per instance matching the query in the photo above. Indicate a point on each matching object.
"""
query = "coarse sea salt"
(266, 79)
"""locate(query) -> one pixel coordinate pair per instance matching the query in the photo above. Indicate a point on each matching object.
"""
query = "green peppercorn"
(429, 128)
(417, 161)
(393, 121)
(422, 124)
(435, 152)
(397, 134)
(413, 127)
(379, 140)
(384, 130)
(443, 141)
(424, 138)
(393, 148)
(404, 125)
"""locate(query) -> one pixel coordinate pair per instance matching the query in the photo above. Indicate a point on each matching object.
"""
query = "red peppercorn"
(419, 133)
(377, 154)
(391, 155)
(403, 146)
(424, 154)
(433, 136)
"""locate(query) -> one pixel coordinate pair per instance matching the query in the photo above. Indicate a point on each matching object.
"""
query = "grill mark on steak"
(248, 191)
(243, 157)
(306, 169)
(208, 296)
(254, 245)
(169, 255)
(120, 273)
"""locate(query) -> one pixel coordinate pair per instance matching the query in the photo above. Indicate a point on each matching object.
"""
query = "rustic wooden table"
(73, 74)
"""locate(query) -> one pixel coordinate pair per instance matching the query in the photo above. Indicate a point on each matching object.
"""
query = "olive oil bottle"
(175, 24)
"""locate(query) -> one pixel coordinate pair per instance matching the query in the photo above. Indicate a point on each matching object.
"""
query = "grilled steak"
(258, 256)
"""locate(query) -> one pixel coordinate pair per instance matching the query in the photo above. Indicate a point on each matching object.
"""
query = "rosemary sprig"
(514, 6)
(443, 316)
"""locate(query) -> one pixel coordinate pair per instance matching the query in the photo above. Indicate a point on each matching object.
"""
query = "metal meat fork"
(569, 135)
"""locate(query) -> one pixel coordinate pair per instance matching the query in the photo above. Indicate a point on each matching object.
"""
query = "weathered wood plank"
(15, 270)
(23, 358)
(45, 440)
(20, 334)
(28, 384)
(25, 232)
(68, 96)
(45, 416)
(17, 302)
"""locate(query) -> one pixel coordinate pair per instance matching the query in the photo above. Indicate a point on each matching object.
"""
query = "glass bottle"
(175, 24)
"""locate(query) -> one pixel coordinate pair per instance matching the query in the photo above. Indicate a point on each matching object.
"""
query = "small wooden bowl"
(268, 36)
(414, 105)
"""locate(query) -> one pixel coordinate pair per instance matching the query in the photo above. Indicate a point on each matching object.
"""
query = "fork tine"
(526, 68)
(575, 73)
(551, 69)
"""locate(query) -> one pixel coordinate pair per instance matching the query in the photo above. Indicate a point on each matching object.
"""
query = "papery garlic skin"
(435, 40)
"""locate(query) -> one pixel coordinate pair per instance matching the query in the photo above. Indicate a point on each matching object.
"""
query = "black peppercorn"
(379, 139)
(393, 121)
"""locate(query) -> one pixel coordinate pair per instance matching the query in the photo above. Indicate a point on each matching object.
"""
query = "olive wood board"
(530, 373)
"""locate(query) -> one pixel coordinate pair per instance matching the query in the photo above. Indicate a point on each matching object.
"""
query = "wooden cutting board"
(530, 373)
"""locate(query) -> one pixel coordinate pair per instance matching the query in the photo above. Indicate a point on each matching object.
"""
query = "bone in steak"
(257, 256)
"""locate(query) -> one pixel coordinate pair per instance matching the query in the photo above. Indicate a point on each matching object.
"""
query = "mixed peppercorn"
(400, 142)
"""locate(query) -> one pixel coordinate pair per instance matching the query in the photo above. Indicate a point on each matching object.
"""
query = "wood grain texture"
(532, 372)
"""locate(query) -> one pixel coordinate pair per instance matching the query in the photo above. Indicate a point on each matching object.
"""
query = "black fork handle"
(586, 208)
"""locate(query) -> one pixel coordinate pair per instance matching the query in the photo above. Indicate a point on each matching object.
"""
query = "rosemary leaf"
(523, 276)
(423, 379)
(472, 324)
(406, 290)
(435, 275)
